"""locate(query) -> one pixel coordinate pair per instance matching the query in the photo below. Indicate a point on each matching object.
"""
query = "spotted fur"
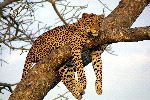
(97, 66)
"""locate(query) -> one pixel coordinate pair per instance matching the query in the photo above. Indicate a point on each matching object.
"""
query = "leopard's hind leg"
(68, 78)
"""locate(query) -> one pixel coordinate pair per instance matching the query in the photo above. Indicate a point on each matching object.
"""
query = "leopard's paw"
(98, 87)
(80, 97)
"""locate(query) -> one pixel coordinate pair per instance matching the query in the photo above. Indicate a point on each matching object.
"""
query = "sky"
(126, 75)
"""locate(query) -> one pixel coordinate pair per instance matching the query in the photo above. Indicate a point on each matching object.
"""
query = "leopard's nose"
(94, 33)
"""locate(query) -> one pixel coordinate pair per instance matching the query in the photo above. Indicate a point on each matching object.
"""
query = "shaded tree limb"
(44, 75)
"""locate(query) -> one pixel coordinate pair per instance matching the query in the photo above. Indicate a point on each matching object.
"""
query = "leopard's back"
(47, 42)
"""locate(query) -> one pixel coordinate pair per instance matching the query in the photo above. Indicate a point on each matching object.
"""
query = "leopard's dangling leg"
(97, 65)
(68, 78)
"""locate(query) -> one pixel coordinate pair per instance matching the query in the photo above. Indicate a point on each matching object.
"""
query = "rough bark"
(115, 28)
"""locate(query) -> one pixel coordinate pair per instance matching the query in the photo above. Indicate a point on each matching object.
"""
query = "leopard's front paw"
(81, 87)
(98, 87)
(80, 97)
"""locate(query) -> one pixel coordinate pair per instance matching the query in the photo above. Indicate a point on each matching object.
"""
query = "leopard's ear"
(84, 15)
(101, 16)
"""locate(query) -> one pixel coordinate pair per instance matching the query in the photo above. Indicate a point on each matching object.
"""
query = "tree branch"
(125, 14)
(4, 85)
(42, 78)
(57, 12)
(104, 5)
(132, 35)
(62, 96)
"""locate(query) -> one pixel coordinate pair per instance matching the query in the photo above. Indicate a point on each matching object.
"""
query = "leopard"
(97, 66)
(76, 35)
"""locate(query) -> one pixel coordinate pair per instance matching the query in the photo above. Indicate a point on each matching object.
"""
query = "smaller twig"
(6, 2)
(110, 51)
(4, 85)
(104, 5)
(57, 12)
(3, 61)
(62, 96)
(11, 47)
(36, 2)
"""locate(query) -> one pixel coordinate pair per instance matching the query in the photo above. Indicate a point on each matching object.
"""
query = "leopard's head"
(90, 23)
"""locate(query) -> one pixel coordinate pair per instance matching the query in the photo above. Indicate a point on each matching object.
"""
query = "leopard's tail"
(27, 67)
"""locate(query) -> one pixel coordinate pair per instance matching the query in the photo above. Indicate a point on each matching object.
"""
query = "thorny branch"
(70, 9)
(13, 20)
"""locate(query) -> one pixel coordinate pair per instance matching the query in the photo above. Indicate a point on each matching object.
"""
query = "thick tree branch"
(132, 35)
(43, 77)
(125, 14)
(125, 35)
